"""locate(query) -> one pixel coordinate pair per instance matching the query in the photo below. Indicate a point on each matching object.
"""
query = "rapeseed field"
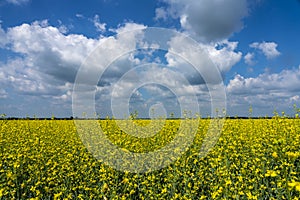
(252, 159)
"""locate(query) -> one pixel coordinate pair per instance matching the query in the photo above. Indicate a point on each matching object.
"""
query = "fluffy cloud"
(210, 20)
(266, 92)
(269, 49)
(249, 59)
(225, 56)
(40, 39)
(163, 86)
(49, 59)
(285, 81)
(213, 59)
(45, 62)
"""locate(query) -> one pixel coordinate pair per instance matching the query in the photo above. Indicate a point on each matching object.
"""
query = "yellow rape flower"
(57, 195)
(275, 155)
(295, 185)
(271, 173)
(228, 182)
(164, 190)
(1, 192)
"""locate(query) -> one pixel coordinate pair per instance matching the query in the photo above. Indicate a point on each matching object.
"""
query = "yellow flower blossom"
(252, 158)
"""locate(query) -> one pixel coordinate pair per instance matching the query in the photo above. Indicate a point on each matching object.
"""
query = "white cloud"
(62, 28)
(39, 38)
(64, 97)
(174, 87)
(265, 92)
(128, 27)
(295, 98)
(101, 27)
(226, 56)
(161, 13)
(249, 59)
(286, 80)
(49, 58)
(210, 20)
(269, 49)
(17, 2)
(81, 16)
(223, 55)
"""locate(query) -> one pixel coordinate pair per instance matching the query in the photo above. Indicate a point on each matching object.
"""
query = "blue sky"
(254, 44)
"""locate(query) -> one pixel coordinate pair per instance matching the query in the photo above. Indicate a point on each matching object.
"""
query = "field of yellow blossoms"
(253, 159)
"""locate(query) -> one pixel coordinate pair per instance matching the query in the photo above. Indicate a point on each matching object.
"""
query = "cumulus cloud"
(249, 58)
(269, 49)
(286, 80)
(266, 92)
(220, 56)
(210, 20)
(49, 59)
(226, 55)
(162, 86)
(46, 59)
